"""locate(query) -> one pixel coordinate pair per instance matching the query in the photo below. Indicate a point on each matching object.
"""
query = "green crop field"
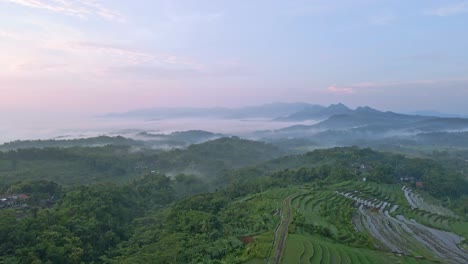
(323, 230)
(307, 248)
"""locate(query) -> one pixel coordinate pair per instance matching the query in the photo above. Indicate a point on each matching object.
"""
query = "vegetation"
(126, 218)
(119, 163)
(66, 143)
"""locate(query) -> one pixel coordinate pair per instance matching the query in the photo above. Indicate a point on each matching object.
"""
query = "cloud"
(407, 83)
(34, 65)
(449, 10)
(195, 17)
(185, 13)
(156, 72)
(102, 59)
(11, 35)
(78, 8)
(426, 57)
(45, 48)
(381, 86)
(340, 90)
(132, 56)
(382, 20)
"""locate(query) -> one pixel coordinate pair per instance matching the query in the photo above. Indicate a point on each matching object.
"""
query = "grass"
(310, 248)
(329, 209)
(460, 228)
(324, 207)
(317, 257)
(308, 252)
(310, 203)
(325, 255)
(294, 249)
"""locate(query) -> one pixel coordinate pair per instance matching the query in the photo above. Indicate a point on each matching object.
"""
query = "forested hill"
(353, 163)
(140, 139)
(66, 143)
(229, 152)
(162, 218)
(116, 163)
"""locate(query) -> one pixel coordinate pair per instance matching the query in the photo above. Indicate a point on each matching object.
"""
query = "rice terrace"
(358, 214)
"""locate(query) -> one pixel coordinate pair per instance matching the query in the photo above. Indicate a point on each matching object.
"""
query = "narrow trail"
(285, 220)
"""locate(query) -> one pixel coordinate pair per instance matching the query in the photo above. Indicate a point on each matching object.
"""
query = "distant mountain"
(177, 139)
(317, 112)
(366, 126)
(270, 111)
(366, 116)
(279, 111)
(436, 114)
(346, 118)
(441, 124)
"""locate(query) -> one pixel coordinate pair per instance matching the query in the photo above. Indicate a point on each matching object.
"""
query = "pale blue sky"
(99, 56)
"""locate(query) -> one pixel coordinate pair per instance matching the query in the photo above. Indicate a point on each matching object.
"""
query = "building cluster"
(418, 183)
(13, 200)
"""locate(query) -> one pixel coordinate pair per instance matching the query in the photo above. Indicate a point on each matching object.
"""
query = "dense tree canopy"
(184, 218)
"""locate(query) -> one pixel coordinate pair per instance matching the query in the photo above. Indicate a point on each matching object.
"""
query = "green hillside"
(312, 208)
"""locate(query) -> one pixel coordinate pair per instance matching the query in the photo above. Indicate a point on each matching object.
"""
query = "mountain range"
(269, 111)
(278, 111)
(335, 125)
(367, 119)
(366, 126)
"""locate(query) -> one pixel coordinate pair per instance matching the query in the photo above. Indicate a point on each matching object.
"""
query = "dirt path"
(285, 220)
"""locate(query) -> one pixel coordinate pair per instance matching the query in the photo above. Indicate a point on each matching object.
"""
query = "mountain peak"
(338, 106)
(366, 109)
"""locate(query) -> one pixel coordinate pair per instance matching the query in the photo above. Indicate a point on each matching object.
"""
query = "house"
(407, 179)
(12, 200)
(420, 184)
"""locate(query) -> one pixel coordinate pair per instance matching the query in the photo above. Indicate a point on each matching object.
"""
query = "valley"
(231, 200)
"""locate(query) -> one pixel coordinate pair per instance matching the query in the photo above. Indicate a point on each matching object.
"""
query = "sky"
(98, 56)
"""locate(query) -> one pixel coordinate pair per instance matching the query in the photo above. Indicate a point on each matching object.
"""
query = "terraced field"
(310, 205)
(330, 223)
(307, 248)
(262, 213)
(416, 201)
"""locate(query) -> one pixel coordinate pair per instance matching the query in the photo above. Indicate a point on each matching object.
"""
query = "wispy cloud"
(78, 8)
(34, 65)
(177, 13)
(382, 20)
(196, 17)
(449, 10)
(406, 83)
(426, 57)
(131, 56)
(12, 35)
(158, 72)
(46, 48)
(99, 57)
(376, 86)
(340, 90)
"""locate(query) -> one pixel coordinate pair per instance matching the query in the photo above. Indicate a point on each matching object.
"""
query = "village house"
(419, 184)
(12, 200)
(407, 179)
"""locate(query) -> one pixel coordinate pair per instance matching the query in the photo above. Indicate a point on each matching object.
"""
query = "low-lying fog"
(65, 127)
